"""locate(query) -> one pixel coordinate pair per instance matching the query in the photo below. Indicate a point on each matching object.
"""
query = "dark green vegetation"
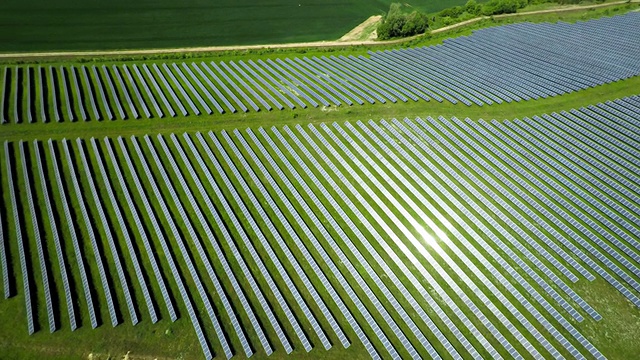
(398, 24)
(36, 25)
(402, 21)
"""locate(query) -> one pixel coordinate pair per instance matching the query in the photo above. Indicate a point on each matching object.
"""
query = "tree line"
(398, 23)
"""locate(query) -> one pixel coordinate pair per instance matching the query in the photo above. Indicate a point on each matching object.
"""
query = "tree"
(472, 7)
(398, 24)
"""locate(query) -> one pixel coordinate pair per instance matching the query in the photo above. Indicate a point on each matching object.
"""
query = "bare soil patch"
(365, 31)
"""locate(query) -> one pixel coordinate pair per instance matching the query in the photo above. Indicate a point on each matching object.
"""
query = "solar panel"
(167, 87)
(324, 76)
(344, 82)
(92, 99)
(278, 85)
(4, 263)
(233, 84)
(41, 95)
(281, 242)
(350, 224)
(26, 278)
(256, 86)
(509, 209)
(103, 97)
(27, 92)
(54, 95)
(114, 94)
(163, 243)
(545, 200)
(150, 95)
(344, 78)
(44, 272)
(16, 89)
(109, 235)
(91, 234)
(67, 94)
(374, 77)
(367, 82)
(570, 207)
(412, 86)
(74, 238)
(473, 220)
(360, 258)
(390, 200)
(145, 240)
(327, 260)
(607, 169)
(3, 94)
(218, 92)
(181, 89)
(585, 190)
(127, 238)
(204, 89)
(62, 267)
(273, 67)
(79, 96)
(137, 92)
(246, 241)
(194, 239)
(314, 82)
(451, 79)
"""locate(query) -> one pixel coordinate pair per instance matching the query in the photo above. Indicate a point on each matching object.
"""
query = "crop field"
(461, 70)
(412, 238)
(35, 25)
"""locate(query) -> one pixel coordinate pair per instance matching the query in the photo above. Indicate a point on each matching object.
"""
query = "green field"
(36, 25)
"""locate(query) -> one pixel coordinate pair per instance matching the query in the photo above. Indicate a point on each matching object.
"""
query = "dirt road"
(316, 44)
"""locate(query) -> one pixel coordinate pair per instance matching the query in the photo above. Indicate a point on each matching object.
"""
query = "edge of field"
(340, 43)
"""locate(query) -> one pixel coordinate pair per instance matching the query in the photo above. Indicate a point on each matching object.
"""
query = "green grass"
(410, 109)
(36, 25)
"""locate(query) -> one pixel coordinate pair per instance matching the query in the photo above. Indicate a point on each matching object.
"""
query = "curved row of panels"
(503, 64)
(414, 238)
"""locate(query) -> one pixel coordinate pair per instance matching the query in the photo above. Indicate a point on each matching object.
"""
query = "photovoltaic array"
(412, 238)
(509, 63)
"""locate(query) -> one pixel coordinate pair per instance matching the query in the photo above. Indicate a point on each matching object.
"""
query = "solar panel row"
(44, 272)
(390, 200)
(127, 238)
(26, 278)
(74, 238)
(218, 251)
(62, 267)
(358, 255)
(280, 216)
(90, 232)
(178, 239)
(143, 235)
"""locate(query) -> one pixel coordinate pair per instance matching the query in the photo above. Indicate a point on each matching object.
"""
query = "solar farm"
(405, 237)
(459, 71)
